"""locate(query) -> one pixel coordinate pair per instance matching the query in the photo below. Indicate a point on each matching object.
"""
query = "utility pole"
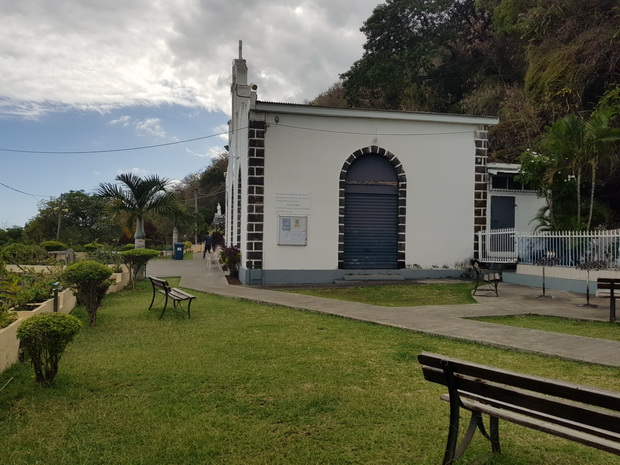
(196, 216)
(60, 210)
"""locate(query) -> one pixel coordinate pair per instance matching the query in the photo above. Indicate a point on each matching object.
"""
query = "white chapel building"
(318, 194)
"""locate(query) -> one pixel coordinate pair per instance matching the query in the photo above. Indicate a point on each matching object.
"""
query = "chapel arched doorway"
(371, 216)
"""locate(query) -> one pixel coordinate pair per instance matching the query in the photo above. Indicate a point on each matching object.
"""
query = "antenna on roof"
(240, 48)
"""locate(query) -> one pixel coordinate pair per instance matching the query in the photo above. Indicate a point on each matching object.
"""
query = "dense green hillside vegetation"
(530, 62)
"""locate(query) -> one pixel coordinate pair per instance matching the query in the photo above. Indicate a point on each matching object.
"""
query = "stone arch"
(402, 199)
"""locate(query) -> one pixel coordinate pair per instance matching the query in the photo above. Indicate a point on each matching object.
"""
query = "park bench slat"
(509, 409)
(580, 413)
(571, 391)
(604, 285)
(594, 437)
(546, 405)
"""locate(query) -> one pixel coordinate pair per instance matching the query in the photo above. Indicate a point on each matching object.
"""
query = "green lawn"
(397, 296)
(246, 383)
(596, 329)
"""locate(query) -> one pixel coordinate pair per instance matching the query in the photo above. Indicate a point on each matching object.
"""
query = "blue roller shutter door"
(371, 227)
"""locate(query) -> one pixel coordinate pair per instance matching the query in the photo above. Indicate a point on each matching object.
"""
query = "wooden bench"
(583, 414)
(611, 285)
(485, 281)
(176, 295)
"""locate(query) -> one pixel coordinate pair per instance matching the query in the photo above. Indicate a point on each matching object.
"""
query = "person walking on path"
(208, 243)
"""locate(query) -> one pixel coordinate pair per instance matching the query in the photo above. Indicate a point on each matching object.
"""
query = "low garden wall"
(558, 277)
(9, 344)
(35, 268)
(566, 273)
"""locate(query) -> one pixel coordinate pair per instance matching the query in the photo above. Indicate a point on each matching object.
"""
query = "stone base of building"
(286, 277)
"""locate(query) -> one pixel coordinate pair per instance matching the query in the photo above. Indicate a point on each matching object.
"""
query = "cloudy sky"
(102, 76)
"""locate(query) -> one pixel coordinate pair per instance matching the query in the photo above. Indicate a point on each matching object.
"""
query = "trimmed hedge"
(90, 281)
(53, 246)
(44, 338)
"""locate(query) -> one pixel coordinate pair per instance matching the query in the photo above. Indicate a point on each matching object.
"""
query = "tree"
(136, 261)
(600, 147)
(204, 190)
(531, 62)
(213, 186)
(565, 143)
(333, 97)
(12, 234)
(418, 55)
(572, 146)
(76, 217)
(90, 281)
(543, 173)
(135, 198)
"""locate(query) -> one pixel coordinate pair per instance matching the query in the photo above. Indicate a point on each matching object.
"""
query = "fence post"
(56, 290)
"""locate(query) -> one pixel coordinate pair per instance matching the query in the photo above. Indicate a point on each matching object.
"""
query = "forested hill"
(530, 62)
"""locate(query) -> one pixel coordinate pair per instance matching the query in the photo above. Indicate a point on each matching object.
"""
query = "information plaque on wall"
(293, 204)
(292, 230)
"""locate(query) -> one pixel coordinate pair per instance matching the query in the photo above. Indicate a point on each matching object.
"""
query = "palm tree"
(600, 146)
(576, 144)
(564, 145)
(137, 196)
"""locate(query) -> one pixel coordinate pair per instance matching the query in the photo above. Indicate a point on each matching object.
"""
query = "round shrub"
(44, 338)
(129, 246)
(90, 281)
(53, 246)
(22, 254)
(92, 247)
(136, 261)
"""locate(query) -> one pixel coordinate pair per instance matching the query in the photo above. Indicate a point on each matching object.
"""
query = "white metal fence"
(589, 249)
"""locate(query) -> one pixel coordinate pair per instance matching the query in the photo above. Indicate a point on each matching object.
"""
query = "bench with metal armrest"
(486, 281)
(176, 295)
(583, 414)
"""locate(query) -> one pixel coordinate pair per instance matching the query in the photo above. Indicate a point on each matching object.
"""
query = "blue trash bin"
(178, 250)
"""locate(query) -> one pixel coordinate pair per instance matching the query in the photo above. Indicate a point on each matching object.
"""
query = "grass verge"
(397, 296)
(247, 383)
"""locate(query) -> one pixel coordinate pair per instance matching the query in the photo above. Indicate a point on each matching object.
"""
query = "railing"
(593, 249)
(498, 246)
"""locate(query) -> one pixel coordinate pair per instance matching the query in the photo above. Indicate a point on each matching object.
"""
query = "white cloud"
(123, 121)
(148, 126)
(105, 54)
(135, 170)
(151, 126)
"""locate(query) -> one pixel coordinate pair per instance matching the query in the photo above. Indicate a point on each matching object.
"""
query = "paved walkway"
(449, 321)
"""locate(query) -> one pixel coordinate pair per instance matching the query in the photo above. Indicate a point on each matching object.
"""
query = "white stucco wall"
(438, 160)
(527, 206)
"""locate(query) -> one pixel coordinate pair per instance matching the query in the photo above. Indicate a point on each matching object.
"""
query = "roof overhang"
(311, 110)
(507, 168)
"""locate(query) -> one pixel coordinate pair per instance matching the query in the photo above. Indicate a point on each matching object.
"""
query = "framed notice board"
(292, 230)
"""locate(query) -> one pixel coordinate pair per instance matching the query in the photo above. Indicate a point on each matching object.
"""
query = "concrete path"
(449, 321)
